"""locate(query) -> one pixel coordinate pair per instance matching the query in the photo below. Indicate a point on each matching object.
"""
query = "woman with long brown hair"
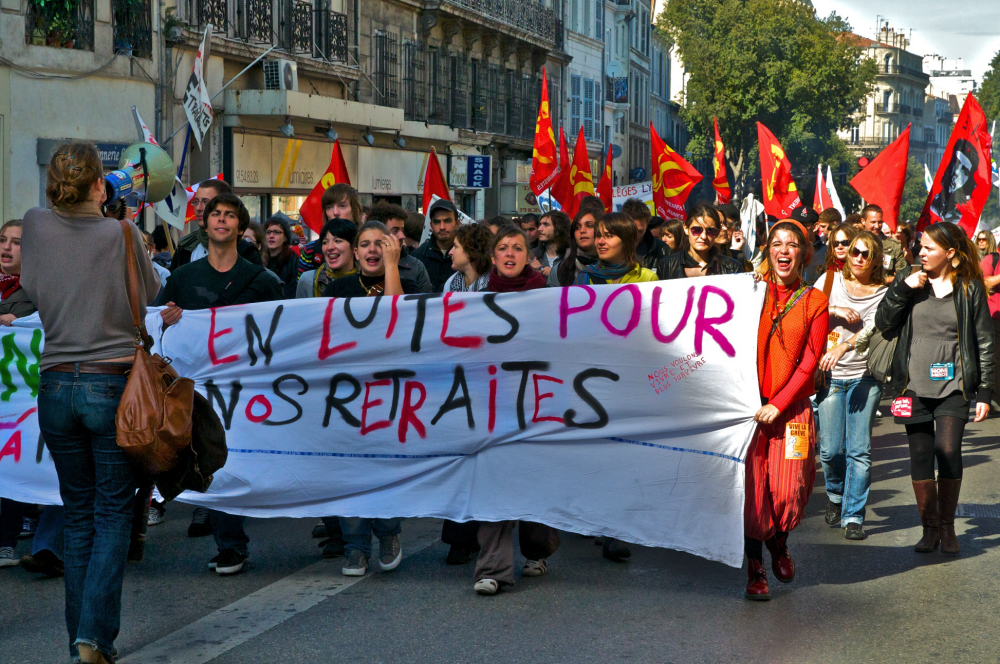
(617, 262)
(89, 347)
(840, 237)
(780, 469)
(341, 201)
(582, 249)
(703, 255)
(944, 359)
(849, 395)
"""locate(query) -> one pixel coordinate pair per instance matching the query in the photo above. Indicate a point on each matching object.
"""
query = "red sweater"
(786, 363)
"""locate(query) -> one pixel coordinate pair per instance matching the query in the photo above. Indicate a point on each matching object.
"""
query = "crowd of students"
(831, 286)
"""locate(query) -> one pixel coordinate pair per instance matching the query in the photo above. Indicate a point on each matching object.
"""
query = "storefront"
(275, 174)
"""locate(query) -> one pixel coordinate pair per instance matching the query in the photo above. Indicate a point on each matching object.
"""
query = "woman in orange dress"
(780, 469)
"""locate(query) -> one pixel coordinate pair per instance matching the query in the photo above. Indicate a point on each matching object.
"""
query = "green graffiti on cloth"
(28, 372)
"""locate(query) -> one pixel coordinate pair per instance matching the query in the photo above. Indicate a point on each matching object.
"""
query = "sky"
(967, 29)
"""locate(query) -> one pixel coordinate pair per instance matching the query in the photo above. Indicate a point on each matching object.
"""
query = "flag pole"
(223, 89)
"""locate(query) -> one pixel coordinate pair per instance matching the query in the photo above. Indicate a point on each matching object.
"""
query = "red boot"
(781, 560)
(757, 589)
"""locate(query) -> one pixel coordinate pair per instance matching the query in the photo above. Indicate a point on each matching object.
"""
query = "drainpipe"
(357, 45)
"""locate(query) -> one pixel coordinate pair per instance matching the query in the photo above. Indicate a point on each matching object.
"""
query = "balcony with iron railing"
(901, 70)
(918, 112)
(519, 16)
(64, 24)
(293, 25)
(887, 108)
(133, 33)
(904, 109)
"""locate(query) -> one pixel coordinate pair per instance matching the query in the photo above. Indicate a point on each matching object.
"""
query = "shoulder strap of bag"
(828, 283)
(996, 259)
(141, 336)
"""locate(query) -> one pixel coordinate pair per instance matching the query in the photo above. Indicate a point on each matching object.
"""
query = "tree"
(914, 192)
(989, 92)
(772, 61)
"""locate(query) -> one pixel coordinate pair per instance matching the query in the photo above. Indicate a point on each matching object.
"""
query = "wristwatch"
(850, 345)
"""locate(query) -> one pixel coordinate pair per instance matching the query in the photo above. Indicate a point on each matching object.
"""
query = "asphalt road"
(870, 601)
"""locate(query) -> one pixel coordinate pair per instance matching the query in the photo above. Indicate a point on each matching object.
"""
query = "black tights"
(945, 443)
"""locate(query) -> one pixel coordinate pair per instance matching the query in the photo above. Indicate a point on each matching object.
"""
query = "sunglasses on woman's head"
(841, 243)
(698, 230)
(855, 252)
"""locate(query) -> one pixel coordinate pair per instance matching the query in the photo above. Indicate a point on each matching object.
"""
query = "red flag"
(821, 197)
(434, 182)
(544, 169)
(723, 194)
(580, 178)
(781, 196)
(561, 189)
(881, 181)
(311, 211)
(673, 178)
(604, 191)
(962, 183)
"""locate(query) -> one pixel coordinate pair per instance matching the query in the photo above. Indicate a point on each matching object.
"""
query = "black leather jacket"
(975, 335)
(672, 266)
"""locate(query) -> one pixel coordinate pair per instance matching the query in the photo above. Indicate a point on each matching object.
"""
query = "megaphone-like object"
(144, 170)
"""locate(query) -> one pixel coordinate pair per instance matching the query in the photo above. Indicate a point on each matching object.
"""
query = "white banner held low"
(617, 410)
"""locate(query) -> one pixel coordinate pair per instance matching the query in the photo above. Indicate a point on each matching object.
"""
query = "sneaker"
(200, 527)
(7, 557)
(854, 531)
(460, 555)
(534, 568)
(319, 531)
(486, 587)
(214, 562)
(28, 528)
(230, 562)
(616, 550)
(157, 511)
(356, 564)
(833, 513)
(44, 562)
(389, 552)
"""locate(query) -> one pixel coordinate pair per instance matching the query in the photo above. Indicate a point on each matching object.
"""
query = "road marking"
(235, 624)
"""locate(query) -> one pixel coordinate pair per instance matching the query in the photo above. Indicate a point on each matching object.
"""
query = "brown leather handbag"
(154, 416)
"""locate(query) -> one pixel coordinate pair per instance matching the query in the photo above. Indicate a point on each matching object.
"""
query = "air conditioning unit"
(281, 75)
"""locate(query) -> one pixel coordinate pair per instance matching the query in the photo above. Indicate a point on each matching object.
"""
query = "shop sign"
(478, 170)
(391, 172)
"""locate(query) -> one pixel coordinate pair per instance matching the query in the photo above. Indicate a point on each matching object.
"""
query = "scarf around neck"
(325, 275)
(529, 279)
(601, 272)
(8, 284)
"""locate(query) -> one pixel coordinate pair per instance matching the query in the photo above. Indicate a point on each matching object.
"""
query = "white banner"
(641, 190)
(617, 410)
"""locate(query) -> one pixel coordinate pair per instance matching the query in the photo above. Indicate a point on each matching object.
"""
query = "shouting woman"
(779, 467)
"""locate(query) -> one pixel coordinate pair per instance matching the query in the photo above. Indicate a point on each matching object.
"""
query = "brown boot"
(948, 491)
(927, 503)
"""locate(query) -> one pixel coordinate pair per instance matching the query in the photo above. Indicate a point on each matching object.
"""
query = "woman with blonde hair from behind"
(89, 346)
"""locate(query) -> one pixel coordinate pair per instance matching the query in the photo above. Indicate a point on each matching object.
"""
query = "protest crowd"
(837, 291)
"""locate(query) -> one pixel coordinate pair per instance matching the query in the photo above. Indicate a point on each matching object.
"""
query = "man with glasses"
(893, 258)
(193, 246)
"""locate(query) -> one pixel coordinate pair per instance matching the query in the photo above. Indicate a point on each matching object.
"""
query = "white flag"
(832, 190)
(197, 102)
(145, 135)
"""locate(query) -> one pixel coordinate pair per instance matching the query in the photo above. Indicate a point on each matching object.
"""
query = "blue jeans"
(227, 529)
(358, 532)
(49, 535)
(846, 416)
(76, 414)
